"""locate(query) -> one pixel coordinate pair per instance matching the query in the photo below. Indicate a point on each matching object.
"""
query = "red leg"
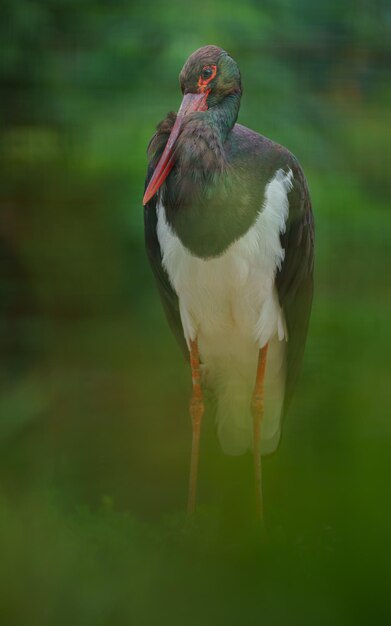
(196, 411)
(257, 408)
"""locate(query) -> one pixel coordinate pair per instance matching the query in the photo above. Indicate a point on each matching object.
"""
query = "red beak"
(191, 102)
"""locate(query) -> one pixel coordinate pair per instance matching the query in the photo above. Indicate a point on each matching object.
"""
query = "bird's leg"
(257, 409)
(196, 411)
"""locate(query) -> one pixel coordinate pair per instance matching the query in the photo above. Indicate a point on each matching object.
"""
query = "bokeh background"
(94, 429)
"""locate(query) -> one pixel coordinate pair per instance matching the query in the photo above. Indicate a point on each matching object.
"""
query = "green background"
(94, 428)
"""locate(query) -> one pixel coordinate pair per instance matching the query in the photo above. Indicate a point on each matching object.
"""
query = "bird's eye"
(206, 73)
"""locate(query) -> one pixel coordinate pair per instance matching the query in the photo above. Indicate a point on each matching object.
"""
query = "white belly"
(231, 305)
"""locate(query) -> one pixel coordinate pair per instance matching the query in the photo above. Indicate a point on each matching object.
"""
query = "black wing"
(167, 294)
(295, 278)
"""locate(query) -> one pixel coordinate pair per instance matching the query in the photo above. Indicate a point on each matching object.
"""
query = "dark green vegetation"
(94, 430)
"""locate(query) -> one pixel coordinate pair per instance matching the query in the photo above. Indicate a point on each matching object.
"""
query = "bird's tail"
(233, 418)
(234, 393)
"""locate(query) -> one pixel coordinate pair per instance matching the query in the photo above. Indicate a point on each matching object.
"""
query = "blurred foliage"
(94, 431)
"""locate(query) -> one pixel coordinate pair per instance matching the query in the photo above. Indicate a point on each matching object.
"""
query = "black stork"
(230, 237)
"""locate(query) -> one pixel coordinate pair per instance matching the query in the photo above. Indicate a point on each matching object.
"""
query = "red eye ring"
(207, 75)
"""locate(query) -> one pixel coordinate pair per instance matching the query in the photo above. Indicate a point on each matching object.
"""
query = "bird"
(229, 233)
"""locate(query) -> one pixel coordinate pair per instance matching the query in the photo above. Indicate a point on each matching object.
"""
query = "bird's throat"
(224, 115)
(200, 150)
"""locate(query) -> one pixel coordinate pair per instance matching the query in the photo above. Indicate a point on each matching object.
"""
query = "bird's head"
(208, 77)
(210, 72)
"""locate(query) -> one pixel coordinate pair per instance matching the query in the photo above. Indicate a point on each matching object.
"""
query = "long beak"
(191, 102)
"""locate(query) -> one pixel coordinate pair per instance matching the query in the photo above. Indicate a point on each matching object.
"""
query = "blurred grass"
(94, 431)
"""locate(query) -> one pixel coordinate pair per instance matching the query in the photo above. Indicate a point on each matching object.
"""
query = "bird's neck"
(198, 190)
(223, 116)
(200, 150)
